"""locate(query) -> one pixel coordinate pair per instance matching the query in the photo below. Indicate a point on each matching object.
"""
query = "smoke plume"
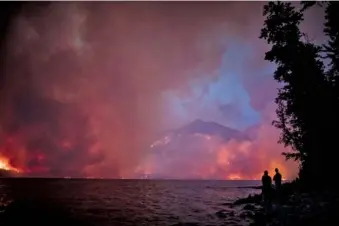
(84, 88)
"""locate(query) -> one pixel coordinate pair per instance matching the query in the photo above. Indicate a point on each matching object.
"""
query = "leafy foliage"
(310, 92)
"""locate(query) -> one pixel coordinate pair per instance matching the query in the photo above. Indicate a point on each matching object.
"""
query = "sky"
(87, 86)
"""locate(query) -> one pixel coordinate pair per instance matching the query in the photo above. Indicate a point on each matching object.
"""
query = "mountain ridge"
(199, 126)
(209, 128)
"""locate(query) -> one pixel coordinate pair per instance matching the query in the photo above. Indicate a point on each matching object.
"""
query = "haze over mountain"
(210, 128)
(189, 151)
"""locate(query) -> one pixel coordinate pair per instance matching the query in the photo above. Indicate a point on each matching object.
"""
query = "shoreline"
(296, 208)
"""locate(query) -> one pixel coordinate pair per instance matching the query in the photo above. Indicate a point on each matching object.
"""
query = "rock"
(227, 204)
(250, 199)
(249, 207)
(259, 219)
(221, 214)
(250, 214)
(246, 214)
(295, 208)
(243, 215)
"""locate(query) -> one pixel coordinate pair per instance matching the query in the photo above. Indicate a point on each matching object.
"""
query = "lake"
(120, 202)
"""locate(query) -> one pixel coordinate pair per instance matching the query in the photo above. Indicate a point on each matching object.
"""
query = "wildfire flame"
(235, 177)
(215, 158)
(4, 165)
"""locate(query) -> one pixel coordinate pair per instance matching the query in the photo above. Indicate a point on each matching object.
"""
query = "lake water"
(120, 202)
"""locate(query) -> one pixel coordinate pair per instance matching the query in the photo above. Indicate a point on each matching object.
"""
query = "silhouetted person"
(267, 188)
(277, 179)
(277, 182)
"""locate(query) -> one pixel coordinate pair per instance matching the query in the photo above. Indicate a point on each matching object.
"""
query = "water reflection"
(115, 202)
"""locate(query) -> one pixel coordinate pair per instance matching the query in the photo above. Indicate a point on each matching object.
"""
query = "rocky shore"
(296, 208)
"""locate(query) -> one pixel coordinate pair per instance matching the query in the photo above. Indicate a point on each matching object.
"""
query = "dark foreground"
(50, 202)
(296, 208)
(42, 202)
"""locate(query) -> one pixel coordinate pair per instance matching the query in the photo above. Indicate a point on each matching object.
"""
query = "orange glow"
(4, 165)
(281, 167)
(223, 157)
(235, 177)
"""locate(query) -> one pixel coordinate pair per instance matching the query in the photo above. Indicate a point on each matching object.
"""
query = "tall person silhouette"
(277, 182)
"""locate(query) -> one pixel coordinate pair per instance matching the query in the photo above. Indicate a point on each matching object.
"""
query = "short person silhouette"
(277, 182)
(277, 179)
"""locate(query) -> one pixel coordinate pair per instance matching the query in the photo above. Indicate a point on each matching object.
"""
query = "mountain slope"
(210, 128)
(196, 150)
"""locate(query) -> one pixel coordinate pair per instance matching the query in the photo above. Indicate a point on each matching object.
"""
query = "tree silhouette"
(309, 91)
(332, 47)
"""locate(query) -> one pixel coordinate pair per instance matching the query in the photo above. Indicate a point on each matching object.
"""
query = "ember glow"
(4, 165)
(88, 87)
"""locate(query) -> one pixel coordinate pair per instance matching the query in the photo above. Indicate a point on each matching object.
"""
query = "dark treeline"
(308, 100)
